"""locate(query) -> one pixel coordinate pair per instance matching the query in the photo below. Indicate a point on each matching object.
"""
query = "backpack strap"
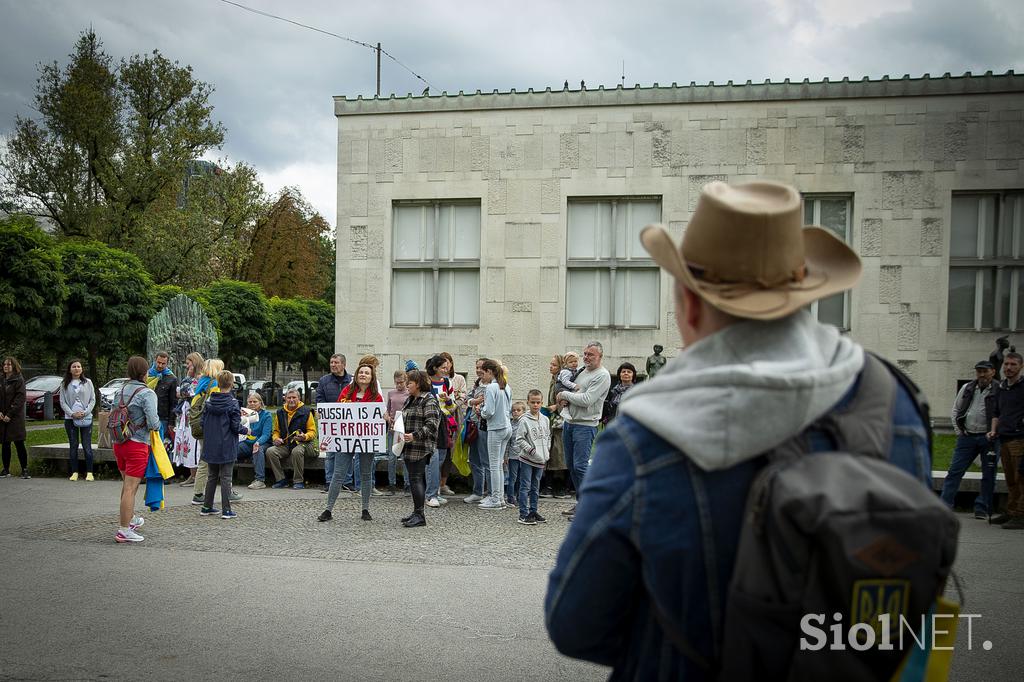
(863, 425)
(917, 396)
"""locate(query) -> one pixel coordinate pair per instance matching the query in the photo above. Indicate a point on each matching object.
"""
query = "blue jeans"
(577, 441)
(344, 463)
(529, 488)
(73, 438)
(258, 460)
(478, 463)
(329, 468)
(434, 473)
(968, 448)
(497, 440)
(515, 467)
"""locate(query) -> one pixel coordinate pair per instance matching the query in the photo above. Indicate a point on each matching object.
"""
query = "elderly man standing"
(294, 436)
(971, 424)
(328, 391)
(583, 415)
(642, 579)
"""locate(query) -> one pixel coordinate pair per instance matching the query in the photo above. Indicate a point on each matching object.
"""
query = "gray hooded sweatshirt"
(747, 388)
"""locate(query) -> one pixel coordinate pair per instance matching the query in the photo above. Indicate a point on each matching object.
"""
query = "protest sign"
(352, 427)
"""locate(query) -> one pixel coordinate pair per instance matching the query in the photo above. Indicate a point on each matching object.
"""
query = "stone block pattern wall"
(899, 158)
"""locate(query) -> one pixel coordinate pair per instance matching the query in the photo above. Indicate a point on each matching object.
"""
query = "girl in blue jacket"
(222, 425)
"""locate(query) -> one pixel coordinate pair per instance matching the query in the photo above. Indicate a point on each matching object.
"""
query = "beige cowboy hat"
(747, 252)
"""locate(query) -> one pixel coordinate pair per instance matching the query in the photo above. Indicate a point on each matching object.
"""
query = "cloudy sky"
(274, 81)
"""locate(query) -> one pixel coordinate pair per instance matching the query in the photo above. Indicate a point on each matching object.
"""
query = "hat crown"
(748, 233)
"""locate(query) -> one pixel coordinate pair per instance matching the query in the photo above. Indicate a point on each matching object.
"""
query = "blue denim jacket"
(637, 537)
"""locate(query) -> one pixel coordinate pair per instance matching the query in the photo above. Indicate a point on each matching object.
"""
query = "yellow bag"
(163, 462)
(931, 664)
(460, 455)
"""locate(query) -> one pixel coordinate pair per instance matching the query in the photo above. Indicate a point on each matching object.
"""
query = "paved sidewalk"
(275, 594)
(272, 594)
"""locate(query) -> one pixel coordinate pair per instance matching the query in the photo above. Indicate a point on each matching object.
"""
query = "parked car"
(268, 390)
(297, 385)
(35, 390)
(109, 392)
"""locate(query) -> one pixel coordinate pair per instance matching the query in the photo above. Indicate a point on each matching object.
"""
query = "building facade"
(506, 224)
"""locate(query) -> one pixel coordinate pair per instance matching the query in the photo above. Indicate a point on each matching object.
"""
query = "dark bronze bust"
(996, 358)
(655, 362)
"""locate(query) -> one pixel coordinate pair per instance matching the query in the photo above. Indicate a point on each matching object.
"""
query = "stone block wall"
(899, 158)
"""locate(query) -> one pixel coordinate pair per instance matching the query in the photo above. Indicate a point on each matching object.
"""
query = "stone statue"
(181, 327)
(996, 358)
(655, 362)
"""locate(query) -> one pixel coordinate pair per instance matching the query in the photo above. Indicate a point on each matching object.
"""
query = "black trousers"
(22, 454)
(418, 483)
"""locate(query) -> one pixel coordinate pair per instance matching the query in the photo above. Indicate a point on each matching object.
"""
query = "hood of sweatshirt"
(747, 388)
(220, 403)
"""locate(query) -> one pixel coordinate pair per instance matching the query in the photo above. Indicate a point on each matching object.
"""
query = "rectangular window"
(611, 281)
(986, 262)
(435, 265)
(834, 213)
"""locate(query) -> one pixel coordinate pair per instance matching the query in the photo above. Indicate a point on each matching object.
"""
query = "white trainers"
(257, 485)
(491, 504)
(442, 500)
(432, 502)
(377, 493)
(472, 498)
(74, 477)
(137, 522)
(128, 535)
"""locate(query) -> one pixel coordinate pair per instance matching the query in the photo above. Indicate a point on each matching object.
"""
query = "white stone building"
(505, 224)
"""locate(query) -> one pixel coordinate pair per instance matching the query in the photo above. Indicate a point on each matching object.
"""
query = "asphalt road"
(274, 594)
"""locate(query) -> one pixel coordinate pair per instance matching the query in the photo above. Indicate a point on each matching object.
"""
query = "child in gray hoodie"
(533, 441)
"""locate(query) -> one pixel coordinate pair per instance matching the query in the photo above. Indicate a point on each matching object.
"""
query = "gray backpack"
(843, 532)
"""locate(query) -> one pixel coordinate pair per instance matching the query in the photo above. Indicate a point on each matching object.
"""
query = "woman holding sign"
(363, 389)
(422, 415)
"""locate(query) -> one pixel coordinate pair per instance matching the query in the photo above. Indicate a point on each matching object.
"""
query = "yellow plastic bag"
(460, 455)
(163, 462)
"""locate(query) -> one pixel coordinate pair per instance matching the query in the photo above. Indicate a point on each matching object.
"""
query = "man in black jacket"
(327, 391)
(165, 385)
(1008, 427)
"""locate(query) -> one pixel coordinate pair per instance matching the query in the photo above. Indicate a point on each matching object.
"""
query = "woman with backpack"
(12, 416)
(363, 389)
(136, 417)
(77, 400)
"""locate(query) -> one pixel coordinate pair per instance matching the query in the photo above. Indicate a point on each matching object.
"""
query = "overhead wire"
(329, 33)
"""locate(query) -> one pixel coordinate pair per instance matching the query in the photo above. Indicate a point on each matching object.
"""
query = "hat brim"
(832, 267)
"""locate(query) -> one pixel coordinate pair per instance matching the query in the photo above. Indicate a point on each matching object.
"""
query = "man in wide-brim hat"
(647, 562)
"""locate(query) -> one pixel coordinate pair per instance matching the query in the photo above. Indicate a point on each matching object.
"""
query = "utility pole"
(378, 69)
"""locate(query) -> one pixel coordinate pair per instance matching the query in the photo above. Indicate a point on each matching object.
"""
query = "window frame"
(816, 198)
(434, 265)
(982, 265)
(612, 264)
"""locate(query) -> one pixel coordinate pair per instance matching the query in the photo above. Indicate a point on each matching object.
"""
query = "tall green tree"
(294, 329)
(109, 141)
(320, 346)
(201, 230)
(108, 305)
(32, 289)
(241, 314)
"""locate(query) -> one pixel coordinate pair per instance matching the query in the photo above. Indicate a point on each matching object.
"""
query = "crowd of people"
(517, 451)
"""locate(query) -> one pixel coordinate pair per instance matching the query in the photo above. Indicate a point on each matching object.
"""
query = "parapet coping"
(825, 89)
